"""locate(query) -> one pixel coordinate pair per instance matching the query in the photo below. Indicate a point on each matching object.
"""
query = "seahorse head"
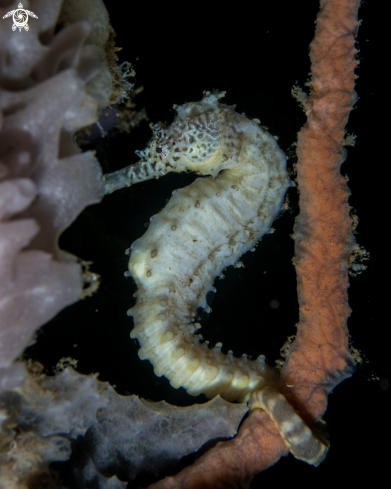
(196, 140)
(206, 137)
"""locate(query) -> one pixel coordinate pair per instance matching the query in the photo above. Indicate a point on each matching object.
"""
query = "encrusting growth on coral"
(110, 85)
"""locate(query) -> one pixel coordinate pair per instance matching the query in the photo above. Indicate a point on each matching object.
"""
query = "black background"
(256, 52)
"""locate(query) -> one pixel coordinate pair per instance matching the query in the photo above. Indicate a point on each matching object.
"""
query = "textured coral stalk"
(320, 358)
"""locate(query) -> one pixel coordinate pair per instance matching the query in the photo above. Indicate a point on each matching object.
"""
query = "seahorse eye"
(160, 146)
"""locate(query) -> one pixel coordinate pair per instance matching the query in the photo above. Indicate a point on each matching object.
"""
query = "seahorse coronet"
(204, 228)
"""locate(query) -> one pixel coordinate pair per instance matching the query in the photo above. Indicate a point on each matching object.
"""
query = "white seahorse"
(203, 229)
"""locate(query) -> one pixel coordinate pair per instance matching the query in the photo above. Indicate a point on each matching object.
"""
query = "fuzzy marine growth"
(203, 229)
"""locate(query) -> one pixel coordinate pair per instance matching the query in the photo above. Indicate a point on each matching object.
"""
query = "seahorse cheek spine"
(204, 228)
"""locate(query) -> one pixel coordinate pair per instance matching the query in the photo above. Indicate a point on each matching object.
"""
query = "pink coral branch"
(319, 358)
(234, 463)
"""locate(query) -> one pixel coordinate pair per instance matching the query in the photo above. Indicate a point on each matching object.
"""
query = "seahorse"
(205, 227)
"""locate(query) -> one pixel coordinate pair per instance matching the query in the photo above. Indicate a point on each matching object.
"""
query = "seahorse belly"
(204, 228)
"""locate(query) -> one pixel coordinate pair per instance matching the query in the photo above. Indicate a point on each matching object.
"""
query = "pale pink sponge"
(45, 181)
